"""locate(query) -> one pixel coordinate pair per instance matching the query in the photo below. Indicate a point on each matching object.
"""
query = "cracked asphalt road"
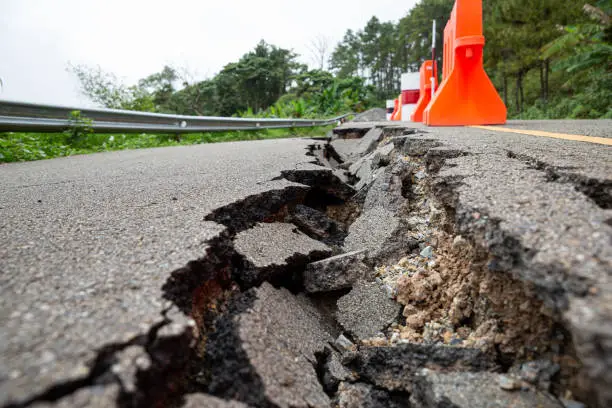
(87, 242)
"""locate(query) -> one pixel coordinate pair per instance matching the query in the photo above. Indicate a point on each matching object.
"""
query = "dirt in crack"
(457, 293)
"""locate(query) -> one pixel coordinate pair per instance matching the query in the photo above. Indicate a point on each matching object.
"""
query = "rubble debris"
(366, 310)
(338, 272)
(473, 390)
(394, 368)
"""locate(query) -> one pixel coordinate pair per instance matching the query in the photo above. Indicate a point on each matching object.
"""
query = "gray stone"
(394, 368)
(208, 401)
(343, 342)
(366, 310)
(264, 350)
(338, 272)
(427, 252)
(472, 390)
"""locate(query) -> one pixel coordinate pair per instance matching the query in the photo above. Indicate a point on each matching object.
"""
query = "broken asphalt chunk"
(263, 350)
(338, 272)
(318, 225)
(272, 249)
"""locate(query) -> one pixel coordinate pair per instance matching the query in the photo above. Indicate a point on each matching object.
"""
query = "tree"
(346, 58)
(319, 50)
(160, 85)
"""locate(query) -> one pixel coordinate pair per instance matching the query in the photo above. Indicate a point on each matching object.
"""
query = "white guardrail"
(30, 117)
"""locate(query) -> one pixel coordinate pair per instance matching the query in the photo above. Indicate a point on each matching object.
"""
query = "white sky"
(134, 38)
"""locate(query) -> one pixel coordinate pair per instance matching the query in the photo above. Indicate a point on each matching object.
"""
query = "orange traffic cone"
(427, 73)
(397, 111)
(467, 95)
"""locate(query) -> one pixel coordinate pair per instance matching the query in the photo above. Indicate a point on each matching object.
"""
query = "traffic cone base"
(467, 95)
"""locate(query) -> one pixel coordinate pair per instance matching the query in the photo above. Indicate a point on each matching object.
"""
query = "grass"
(19, 147)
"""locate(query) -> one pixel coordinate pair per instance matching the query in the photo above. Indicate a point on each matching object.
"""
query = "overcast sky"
(134, 38)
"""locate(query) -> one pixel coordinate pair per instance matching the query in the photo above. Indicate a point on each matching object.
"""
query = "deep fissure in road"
(461, 313)
(391, 290)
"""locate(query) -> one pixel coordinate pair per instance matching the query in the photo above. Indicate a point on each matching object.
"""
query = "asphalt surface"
(597, 128)
(87, 242)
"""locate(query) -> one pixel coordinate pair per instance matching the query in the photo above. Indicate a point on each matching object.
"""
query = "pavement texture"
(87, 242)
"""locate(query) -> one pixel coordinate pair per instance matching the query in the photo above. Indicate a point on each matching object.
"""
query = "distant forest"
(547, 58)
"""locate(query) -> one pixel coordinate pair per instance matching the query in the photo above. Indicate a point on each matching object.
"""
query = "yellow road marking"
(577, 138)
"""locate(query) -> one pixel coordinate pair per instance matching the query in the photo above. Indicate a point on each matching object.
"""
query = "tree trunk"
(546, 79)
(522, 94)
(519, 92)
(542, 83)
(506, 89)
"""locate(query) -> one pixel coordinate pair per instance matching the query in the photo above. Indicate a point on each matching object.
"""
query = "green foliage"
(15, 147)
(80, 129)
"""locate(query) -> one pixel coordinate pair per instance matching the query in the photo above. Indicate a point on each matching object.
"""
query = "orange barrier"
(397, 111)
(466, 95)
(427, 73)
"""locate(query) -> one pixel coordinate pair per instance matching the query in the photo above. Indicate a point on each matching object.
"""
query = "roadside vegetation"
(549, 59)
(15, 147)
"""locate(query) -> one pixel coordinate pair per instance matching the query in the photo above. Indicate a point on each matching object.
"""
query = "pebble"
(459, 242)
(427, 252)
(508, 383)
(344, 342)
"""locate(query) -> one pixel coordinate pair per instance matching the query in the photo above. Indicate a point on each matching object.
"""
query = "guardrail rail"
(30, 117)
